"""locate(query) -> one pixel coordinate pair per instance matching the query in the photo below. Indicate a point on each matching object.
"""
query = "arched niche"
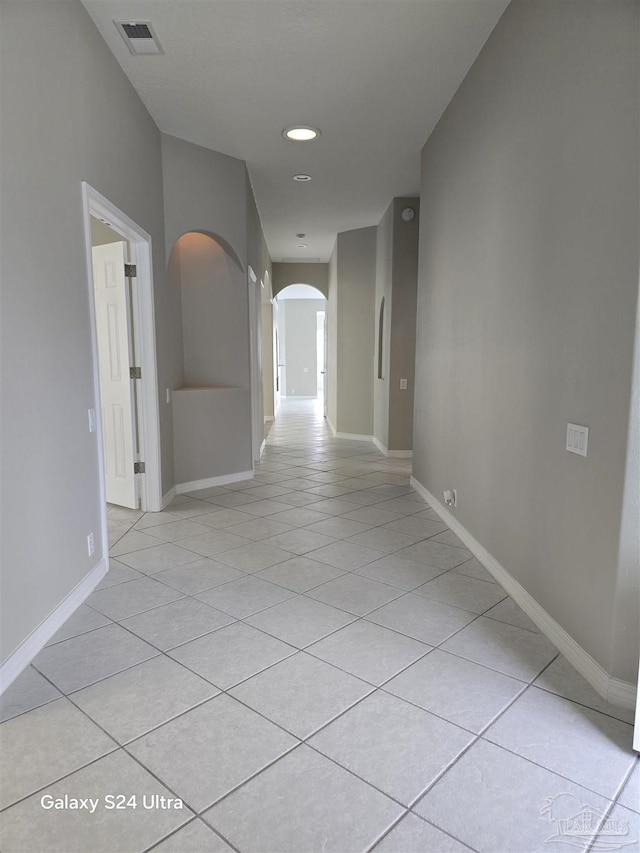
(213, 295)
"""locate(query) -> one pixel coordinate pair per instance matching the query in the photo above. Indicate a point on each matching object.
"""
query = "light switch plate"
(577, 439)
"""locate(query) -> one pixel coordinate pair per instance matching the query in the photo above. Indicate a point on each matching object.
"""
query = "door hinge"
(135, 372)
(130, 271)
(138, 468)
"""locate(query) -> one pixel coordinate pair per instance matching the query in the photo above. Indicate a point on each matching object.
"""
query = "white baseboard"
(395, 454)
(40, 636)
(331, 426)
(380, 446)
(620, 693)
(208, 482)
(353, 436)
(268, 418)
(623, 694)
(169, 497)
(262, 446)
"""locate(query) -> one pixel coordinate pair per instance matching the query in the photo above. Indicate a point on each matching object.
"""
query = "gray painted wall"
(402, 321)
(350, 318)
(356, 277)
(206, 430)
(300, 353)
(268, 342)
(259, 259)
(396, 282)
(384, 275)
(208, 192)
(316, 275)
(332, 339)
(627, 594)
(214, 308)
(204, 191)
(84, 122)
(528, 287)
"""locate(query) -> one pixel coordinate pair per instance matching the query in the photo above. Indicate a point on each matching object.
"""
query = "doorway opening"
(301, 350)
(125, 415)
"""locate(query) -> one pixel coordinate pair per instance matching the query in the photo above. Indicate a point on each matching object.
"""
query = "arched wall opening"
(212, 409)
(214, 311)
(313, 274)
(300, 334)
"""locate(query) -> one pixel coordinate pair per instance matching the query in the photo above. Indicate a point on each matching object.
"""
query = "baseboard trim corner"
(620, 693)
(20, 659)
(379, 445)
(208, 482)
(169, 497)
(331, 427)
(394, 454)
(353, 436)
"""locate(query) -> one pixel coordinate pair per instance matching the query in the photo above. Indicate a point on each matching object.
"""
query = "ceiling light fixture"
(300, 236)
(302, 245)
(301, 133)
(302, 178)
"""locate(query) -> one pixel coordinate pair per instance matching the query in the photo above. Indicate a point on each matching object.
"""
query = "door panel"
(114, 360)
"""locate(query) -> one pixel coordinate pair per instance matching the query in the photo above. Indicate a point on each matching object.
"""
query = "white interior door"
(116, 386)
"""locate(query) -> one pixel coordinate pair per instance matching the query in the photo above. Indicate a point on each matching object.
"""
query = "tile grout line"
(305, 650)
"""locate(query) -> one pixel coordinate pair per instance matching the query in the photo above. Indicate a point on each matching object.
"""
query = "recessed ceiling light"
(302, 245)
(300, 236)
(302, 178)
(301, 133)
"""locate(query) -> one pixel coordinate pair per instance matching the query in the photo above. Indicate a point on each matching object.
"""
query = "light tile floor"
(312, 661)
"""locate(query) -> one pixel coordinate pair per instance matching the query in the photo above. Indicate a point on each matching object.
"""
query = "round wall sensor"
(408, 213)
(302, 178)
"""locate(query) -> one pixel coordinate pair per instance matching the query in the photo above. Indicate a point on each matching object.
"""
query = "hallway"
(312, 661)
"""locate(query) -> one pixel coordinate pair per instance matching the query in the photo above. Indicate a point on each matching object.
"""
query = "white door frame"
(144, 332)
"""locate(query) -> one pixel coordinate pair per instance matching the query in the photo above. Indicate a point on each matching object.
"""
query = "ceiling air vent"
(139, 37)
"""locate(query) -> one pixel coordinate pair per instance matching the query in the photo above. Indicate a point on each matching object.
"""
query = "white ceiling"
(373, 75)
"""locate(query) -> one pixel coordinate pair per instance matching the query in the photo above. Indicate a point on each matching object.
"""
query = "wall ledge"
(40, 636)
(613, 690)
